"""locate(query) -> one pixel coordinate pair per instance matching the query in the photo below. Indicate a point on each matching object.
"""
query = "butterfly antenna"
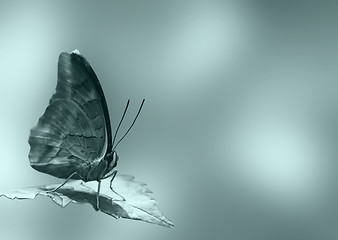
(118, 127)
(138, 113)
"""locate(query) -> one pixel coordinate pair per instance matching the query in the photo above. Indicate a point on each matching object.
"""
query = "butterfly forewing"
(74, 131)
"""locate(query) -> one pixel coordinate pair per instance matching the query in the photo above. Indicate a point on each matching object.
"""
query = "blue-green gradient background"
(238, 136)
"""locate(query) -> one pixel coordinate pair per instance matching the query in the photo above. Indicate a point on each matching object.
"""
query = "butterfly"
(73, 138)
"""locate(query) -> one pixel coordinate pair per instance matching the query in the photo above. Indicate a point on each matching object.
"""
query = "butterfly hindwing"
(74, 131)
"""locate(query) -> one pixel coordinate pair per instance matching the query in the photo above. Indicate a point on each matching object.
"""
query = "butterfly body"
(73, 138)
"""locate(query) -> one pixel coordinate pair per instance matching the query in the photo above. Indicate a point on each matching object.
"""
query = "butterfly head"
(111, 159)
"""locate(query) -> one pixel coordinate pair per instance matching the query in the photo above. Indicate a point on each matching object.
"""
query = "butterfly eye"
(112, 158)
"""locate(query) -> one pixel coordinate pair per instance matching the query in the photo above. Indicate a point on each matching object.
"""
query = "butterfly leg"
(98, 196)
(111, 184)
(62, 184)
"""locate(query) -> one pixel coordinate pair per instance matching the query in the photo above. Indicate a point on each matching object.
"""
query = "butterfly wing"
(74, 132)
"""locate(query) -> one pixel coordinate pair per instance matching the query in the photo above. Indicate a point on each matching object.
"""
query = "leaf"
(138, 204)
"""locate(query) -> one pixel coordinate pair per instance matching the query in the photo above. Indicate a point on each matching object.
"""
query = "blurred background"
(238, 135)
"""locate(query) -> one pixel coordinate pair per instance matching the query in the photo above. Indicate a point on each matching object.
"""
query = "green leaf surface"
(138, 204)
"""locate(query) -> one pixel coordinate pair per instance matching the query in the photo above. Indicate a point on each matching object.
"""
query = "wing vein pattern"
(74, 131)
